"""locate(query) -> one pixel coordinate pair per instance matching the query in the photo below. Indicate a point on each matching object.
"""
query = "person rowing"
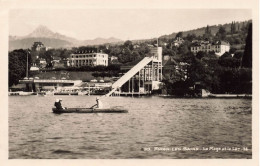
(58, 105)
(99, 104)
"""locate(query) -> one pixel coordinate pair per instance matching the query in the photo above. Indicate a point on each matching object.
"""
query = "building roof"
(224, 43)
(87, 84)
(70, 75)
(206, 43)
(169, 62)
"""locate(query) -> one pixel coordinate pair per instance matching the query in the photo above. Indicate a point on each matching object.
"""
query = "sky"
(125, 24)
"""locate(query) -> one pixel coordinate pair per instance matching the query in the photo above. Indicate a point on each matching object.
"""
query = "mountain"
(44, 32)
(101, 40)
(53, 40)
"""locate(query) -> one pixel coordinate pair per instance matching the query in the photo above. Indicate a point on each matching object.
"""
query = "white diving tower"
(142, 78)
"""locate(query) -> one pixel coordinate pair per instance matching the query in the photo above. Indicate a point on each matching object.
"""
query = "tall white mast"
(27, 65)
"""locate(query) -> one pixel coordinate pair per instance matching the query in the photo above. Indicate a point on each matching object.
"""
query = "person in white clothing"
(99, 104)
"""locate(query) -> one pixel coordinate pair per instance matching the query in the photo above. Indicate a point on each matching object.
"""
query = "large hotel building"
(219, 47)
(88, 59)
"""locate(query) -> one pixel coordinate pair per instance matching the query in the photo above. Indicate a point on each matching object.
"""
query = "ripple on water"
(31, 141)
(67, 152)
(55, 138)
(61, 151)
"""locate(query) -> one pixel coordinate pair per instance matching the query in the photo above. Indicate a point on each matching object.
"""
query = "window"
(77, 56)
(72, 56)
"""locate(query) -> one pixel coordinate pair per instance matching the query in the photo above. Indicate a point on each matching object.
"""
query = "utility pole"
(27, 66)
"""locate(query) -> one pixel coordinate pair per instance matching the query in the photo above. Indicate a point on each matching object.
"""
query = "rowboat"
(89, 110)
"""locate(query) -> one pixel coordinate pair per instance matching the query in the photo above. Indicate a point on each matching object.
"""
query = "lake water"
(154, 128)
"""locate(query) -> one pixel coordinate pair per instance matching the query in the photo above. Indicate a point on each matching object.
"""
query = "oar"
(93, 106)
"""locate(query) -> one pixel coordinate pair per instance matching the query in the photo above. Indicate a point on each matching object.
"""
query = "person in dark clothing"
(57, 104)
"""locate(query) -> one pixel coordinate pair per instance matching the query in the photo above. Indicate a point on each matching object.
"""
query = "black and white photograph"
(131, 83)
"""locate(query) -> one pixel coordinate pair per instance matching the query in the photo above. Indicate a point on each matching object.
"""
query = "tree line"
(225, 74)
(17, 65)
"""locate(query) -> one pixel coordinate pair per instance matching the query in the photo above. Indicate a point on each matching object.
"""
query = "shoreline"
(210, 96)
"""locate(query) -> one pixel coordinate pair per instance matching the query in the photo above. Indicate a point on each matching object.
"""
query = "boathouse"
(47, 84)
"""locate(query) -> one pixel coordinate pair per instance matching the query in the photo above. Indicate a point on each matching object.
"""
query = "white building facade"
(219, 47)
(88, 59)
(156, 53)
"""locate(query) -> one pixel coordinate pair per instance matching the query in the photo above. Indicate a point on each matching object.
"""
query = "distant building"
(88, 59)
(166, 57)
(113, 58)
(56, 59)
(40, 62)
(34, 68)
(219, 47)
(156, 53)
(136, 46)
(38, 46)
(174, 71)
(65, 62)
(150, 45)
(178, 41)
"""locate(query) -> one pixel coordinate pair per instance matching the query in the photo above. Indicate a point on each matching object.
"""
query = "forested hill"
(214, 29)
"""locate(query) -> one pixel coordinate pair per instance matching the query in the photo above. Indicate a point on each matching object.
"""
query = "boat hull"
(89, 110)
